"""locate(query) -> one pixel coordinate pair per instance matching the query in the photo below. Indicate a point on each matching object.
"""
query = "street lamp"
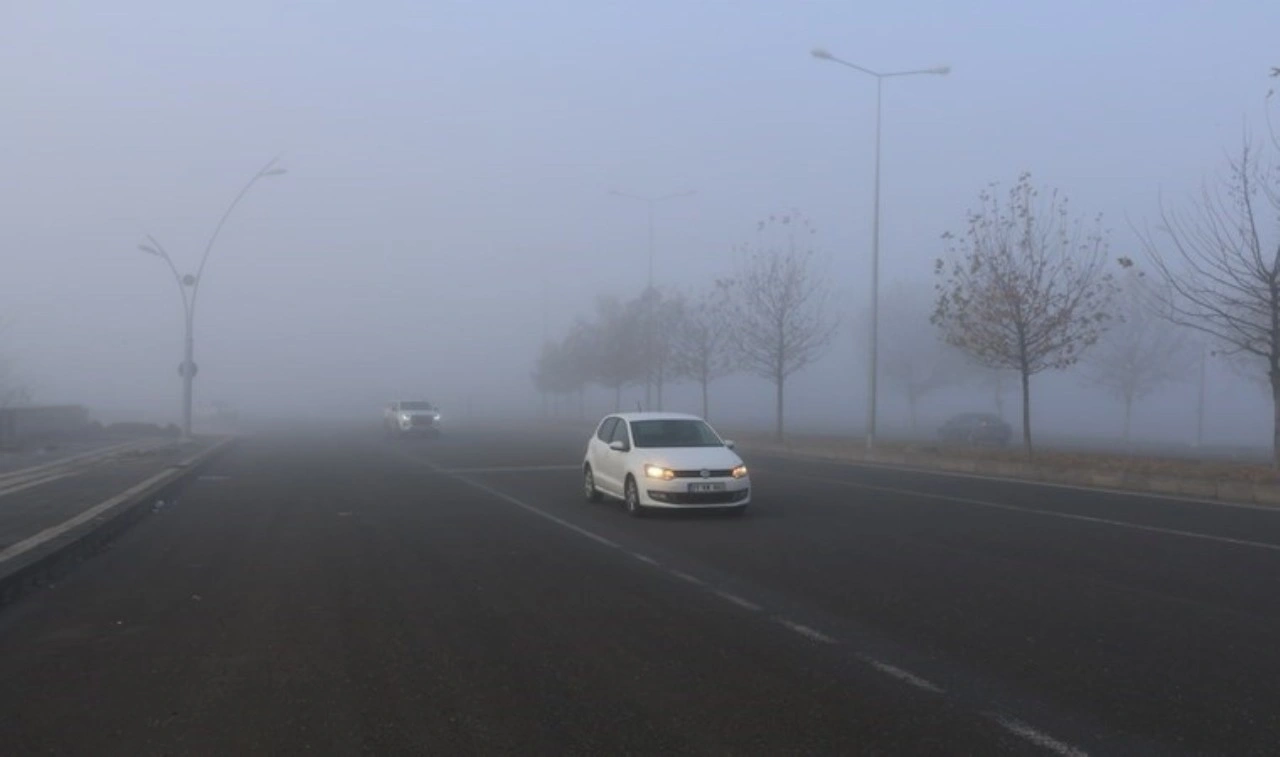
(652, 203)
(188, 368)
(880, 76)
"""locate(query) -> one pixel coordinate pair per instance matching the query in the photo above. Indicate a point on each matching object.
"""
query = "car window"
(620, 433)
(606, 430)
(675, 432)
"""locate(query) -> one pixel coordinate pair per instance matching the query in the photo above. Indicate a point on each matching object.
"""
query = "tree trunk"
(1275, 405)
(999, 395)
(706, 410)
(1026, 412)
(777, 433)
(1128, 419)
(661, 379)
(1200, 403)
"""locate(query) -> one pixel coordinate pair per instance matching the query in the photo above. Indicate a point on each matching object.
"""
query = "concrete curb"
(33, 561)
(1231, 491)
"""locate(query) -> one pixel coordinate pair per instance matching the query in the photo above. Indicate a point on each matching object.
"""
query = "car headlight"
(435, 416)
(740, 471)
(405, 418)
(657, 471)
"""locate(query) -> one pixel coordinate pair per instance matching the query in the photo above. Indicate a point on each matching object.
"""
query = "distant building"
(22, 425)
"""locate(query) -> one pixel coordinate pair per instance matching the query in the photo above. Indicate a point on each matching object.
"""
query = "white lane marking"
(903, 468)
(509, 469)
(539, 512)
(737, 600)
(1039, 738)
(31, 484)
(686, 577)
(171, 473)
(1045, 513)
(86, 457)
(806, 631)
(904, 675)
(1014, 726)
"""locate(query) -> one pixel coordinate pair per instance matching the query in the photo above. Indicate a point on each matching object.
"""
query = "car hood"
(689, 458)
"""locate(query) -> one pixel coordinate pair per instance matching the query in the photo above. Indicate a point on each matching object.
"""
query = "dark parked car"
(976, 428)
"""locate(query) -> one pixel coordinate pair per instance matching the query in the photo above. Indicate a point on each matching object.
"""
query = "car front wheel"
(632, 499)
(589, 489)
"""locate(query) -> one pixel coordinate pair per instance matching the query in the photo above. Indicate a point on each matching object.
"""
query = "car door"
(598, 449)
(615, 462)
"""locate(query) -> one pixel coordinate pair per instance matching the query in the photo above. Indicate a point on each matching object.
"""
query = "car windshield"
(416, 406)
(674, 433)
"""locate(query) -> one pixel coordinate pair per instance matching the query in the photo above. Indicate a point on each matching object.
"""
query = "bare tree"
(997, 380)
(913, 356)
(1141, 351)
(560, 370)
(702, 344)
(1220, 264)
(664, 313)
(1026, 288)
(778, 304)
(617, 345)
(12, 390)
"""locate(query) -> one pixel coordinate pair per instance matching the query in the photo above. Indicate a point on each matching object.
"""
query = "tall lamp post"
(880, 76)
(153, 247)
(652, 203)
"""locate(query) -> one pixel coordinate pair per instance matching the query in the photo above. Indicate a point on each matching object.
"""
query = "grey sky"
(446, 158)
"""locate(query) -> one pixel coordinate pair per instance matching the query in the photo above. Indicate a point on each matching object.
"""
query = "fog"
(450, 167)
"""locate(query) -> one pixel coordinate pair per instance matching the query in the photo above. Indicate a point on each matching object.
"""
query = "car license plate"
(708, 487)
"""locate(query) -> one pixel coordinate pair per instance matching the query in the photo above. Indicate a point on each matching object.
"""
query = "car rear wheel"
(589, 489)
(632, 499)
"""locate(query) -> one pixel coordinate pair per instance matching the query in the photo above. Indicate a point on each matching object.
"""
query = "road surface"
(334, 592)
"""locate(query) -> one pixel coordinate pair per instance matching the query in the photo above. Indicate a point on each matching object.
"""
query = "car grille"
(701, 498)
(422, 420)
(716, 473)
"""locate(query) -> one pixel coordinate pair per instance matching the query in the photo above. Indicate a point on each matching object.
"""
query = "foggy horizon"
(449, 171)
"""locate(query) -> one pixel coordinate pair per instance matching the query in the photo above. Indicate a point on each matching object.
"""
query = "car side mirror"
(618, 446)
(729, 443)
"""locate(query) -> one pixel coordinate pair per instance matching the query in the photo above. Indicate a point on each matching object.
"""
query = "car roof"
(655, 416)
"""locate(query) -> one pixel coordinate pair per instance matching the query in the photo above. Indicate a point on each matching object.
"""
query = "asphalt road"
(334, 592)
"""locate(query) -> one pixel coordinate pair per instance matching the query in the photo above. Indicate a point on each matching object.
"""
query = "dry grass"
(1045, 458)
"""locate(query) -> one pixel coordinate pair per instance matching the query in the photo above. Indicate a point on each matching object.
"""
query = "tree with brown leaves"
(1026, 287)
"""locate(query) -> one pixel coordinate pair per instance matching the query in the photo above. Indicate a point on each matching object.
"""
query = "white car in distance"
(664, 460)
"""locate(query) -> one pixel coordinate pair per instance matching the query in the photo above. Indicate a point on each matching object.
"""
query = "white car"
(408, 417)
(664, 460)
